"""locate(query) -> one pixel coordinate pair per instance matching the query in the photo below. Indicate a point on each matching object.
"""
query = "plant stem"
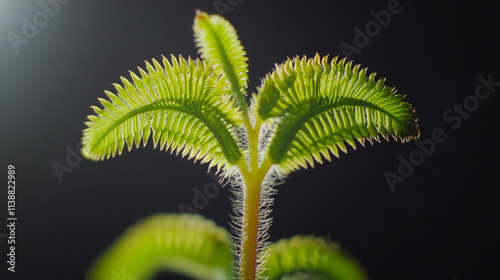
(253, 176)
(250, 229)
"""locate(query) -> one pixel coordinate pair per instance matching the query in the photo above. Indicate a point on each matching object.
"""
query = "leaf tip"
(200, 15)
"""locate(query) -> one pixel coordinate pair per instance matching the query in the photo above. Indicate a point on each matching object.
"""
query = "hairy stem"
(249, 239)
(253, 176)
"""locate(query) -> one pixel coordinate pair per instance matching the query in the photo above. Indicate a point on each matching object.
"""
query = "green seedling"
(304, 111)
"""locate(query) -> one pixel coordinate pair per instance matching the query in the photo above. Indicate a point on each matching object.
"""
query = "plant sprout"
(304, 111)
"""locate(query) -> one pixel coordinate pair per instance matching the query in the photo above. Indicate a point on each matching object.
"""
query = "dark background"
(438, 224)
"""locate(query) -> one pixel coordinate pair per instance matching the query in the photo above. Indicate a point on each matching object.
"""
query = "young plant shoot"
(305, 111)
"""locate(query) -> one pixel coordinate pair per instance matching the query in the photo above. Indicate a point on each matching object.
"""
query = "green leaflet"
(183, 106)
(185, 244)
(314, 106)
(218, 44)
(311, 256)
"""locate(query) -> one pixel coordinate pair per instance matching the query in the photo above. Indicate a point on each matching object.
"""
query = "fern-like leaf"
(313, 106)
(182, 105)
(310, 257)
(219, 45)
(185, 244)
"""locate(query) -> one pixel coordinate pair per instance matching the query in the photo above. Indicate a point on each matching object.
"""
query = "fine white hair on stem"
(266, 200)
(267, 192)
(266, 134)
(242, 136)
(273, 178)
(236, 219)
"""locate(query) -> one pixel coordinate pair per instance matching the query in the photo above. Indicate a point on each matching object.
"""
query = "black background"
(438, 224)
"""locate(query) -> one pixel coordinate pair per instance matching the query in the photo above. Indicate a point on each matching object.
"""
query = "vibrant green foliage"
(305, 110)
(315, 106)
(219, 45)
(182, 105)
(196, 247)
(310, 255)
(186, 244)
